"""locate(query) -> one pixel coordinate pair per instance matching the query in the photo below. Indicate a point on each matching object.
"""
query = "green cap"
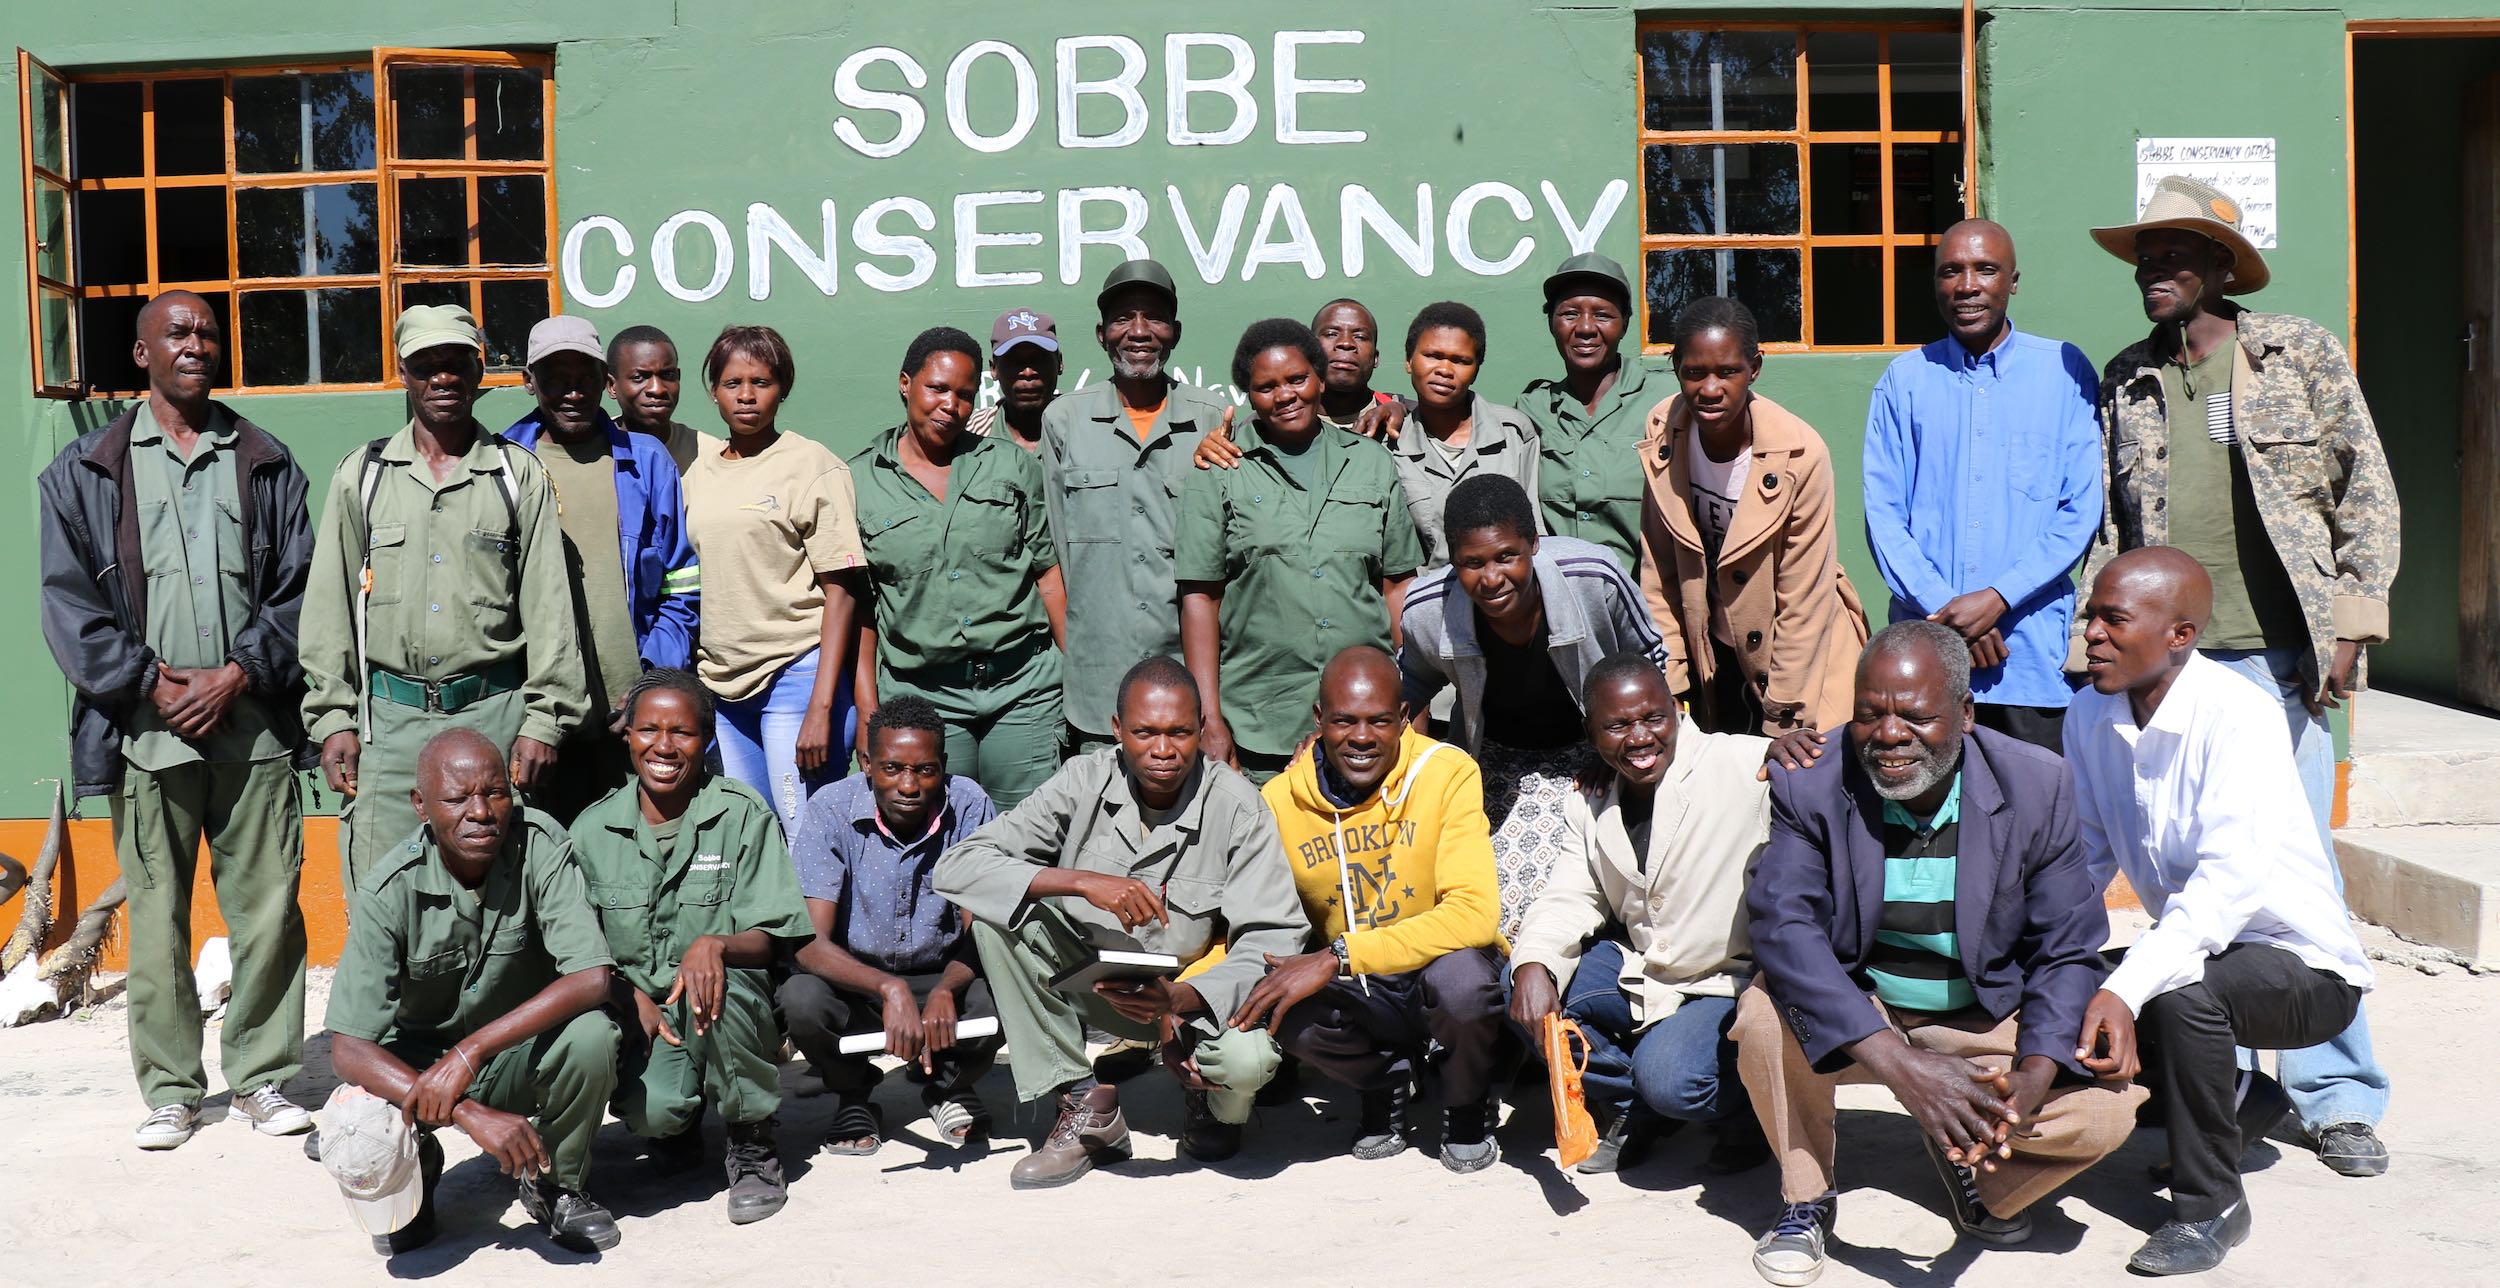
(1589, 270)
(423, 326)
(1136, 271)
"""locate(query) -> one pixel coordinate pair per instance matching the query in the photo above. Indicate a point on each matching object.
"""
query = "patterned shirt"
(1917, 962)
(888, 913)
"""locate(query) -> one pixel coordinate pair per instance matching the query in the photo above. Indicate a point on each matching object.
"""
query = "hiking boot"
(420, 1230)
(1737, 1145)
(1467, 1143)
(2190, 1247)
(756, 1189)
(1204, 1136)
(1791, 1255)
(1090, 1131)
(167, 1126)
(1970, 1216)
(681, 1152)
(573, 1219)
(271, 1113)
(1382, 1133)
(2352, 1149)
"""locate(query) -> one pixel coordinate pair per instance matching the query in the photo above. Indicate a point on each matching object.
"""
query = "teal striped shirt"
(1917, 961)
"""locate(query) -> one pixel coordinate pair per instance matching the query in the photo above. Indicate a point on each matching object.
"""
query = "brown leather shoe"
(1090, 1130)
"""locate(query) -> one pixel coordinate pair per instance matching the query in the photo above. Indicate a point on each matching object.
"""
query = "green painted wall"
(665, 108)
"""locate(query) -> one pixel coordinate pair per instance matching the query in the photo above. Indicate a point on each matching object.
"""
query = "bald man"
(1983, 485)
(469, 994)
(1386, 836)
(174, 543)
(2182, 770)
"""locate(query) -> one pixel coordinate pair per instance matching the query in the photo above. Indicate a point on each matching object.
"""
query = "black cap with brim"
(1589, 273)
(1139, 272)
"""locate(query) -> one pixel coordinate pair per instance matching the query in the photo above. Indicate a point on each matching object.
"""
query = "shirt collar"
(1994, 360)
(1119, 792)
(1949, 812)
(217, 433)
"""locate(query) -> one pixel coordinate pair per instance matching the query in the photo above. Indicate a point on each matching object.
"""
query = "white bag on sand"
(215, 976)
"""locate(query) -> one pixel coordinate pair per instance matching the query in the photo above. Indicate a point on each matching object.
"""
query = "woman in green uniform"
(693, 886)
(967, 609)
(1303, 551)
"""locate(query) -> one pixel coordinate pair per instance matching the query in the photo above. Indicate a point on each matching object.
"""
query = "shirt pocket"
(989, 524)
(386, 551)
(2286, 460)
(1196, 907)
(233, 561)
(900, 547)
(430, 992)
(491, 568)
(1090, 510)
(624, 910)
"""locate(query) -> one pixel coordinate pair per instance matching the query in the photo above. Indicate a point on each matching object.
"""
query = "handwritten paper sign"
(2243, 169)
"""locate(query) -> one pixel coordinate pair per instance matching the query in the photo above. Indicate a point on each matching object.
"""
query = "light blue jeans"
(759, 739)
(2338, 1081)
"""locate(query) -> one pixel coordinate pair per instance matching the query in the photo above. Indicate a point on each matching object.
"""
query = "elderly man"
(1923, 917)
(2241, 438)
(1144, 845)
(2180, 775)
(469, 993)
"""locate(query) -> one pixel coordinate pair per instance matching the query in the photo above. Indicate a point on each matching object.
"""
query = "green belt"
(978, 673)
(452, 694)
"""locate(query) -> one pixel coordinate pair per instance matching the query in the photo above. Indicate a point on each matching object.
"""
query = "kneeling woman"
(693, 885)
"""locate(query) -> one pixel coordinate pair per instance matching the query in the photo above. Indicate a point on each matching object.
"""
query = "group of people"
(1406, 725)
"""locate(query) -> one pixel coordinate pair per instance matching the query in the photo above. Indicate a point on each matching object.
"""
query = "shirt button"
(438, 558)
(199, 581)
(434, 608)
(203, 631)
(1323, 621)
(1584, 474)
(1584, 514)
(955, 576)
(1141, 603)
(1316, 573)
(431, 661)
(967, 621)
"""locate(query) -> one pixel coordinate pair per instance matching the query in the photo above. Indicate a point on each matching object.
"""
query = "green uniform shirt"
(584, 477)
(191, 542)
(1113, 502)
(2254, 606)
(431, 961)
(725, 871)
(458, 587)
(1589, 468)
(1302, 569)
(956, 580)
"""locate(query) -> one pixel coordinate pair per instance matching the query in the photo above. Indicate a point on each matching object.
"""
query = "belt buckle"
(433, 695)
(977, 672)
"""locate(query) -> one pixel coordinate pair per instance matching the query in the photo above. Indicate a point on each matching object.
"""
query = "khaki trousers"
(2075, 1127)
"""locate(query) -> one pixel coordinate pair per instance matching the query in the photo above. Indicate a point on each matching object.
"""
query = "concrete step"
(2415, 762)
(2433, 884)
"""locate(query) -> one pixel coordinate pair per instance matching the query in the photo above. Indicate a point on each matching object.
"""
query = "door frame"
(2380, 29)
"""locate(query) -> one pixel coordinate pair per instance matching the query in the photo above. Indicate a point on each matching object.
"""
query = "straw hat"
(2183, 203)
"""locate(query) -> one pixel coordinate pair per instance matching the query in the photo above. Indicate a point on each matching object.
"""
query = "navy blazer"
(2029, 917)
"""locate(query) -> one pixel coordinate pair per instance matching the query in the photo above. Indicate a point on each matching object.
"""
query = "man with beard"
(1923, 916)
(1025, 360)
(1114, 455)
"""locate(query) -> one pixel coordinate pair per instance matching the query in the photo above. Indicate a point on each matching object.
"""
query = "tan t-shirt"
(765, 528)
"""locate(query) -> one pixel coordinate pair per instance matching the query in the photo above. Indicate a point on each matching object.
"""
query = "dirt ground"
(231, 1207)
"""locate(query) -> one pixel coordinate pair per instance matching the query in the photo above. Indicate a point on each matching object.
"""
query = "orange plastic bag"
(1566, 1060)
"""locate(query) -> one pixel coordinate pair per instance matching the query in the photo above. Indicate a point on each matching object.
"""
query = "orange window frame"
(1805, 241)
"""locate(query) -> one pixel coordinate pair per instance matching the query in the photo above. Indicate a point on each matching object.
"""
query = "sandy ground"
(232, 1207)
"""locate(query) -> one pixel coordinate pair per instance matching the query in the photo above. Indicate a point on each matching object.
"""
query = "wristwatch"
(1345, 962)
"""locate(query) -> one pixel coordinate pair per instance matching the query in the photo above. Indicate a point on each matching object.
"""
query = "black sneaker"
(756, 1188)
(2192, 1247)
(419, 1232)
(1203, 1136)
(1791, 1255)
(1382, 1133)
(670, 1155)
(571, 1218)
(1467, 1143)
(1970, 1216)
(2352, 1149)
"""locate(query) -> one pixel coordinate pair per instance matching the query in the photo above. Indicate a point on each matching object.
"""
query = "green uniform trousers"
(737, 1062)
(1004, 735)
(1045, 1028)
(560, 1079)
(381, 816)
(253, 821)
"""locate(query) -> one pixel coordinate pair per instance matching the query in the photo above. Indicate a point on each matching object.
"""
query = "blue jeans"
(2338, 1081)
(759, 739)
(1682, 1067)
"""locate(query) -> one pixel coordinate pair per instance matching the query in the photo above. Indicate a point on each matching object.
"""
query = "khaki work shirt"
(726, 872)
(1500, 440)
(1589, 466)
(956, 580)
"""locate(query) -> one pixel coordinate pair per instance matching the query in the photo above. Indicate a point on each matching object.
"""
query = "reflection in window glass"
(323, 337)
(50, 144)
(455, 294)
(1848, 189)
(1840, 76)
(1926, 187)
(191, 126)
(57, 319)
(433, 222)
(1719, 80)
(512, 308)
(1719, 189)
(1926, 80)
(1849, 295)
(320, 229)
(107, 136)
(275, 117)
(191, 234)
(426, 109)
(341, 104)
(511, 114)
(1765, 281)
(348, 322)
(1914, 316)
(277, 338)
(512, 220)
(51, 231)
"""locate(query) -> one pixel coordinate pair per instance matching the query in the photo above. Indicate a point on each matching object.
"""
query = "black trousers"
(1735, 701)
(816, 1015)
(2042, 727)
(1374, 1040)
(2253, 995)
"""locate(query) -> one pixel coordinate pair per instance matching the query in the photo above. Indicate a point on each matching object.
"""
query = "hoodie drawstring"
(1345, 876)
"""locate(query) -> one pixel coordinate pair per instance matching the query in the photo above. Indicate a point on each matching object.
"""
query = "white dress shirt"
(2203, 810)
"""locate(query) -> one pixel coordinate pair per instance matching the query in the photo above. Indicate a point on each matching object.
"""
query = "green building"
(851, 174)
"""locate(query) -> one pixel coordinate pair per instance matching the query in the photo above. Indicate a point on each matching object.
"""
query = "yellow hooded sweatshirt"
(1414, 860)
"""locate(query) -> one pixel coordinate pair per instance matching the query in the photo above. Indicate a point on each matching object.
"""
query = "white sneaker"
(167, 1126)
(271, 1113)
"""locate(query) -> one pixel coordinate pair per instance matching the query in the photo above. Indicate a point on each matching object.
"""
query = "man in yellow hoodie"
(1385, 831)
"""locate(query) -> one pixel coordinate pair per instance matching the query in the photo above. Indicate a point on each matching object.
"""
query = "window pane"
(51, 230)
(512, 220)
(1721, 188)
(1914, 316)
(1719, 80)
(348, 323)
(1848, 188)
(455, 294)
(342, 120)
(426, 108)
(1926, 80)
(433, 222)
(108, 130)
(191, 234)
(1849, 295)
(1765, 281)
(512, 308)
(1840, 81)
(105, 329)
(268, 125)
(190, 126)
(112, 238)
(1926, 187)
(51, 134)
(271, 225)
(511, 114)
(58, 318)
(277, 338)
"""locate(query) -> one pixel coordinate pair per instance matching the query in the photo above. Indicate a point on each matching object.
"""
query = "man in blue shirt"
(1983, 485)
(890, 952)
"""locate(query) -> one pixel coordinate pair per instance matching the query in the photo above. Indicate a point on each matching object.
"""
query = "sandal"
(855, 1120)
(958, 1115)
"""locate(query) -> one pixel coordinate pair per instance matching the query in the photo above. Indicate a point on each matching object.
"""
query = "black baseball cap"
(1134, 272)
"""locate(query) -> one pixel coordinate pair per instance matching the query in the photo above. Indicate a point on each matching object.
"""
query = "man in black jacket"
(174, 545)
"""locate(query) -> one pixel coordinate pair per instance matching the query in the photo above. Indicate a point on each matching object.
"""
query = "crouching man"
(1142, 845)
(469, 994)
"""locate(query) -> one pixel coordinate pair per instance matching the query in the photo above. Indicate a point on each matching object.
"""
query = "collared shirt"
(459, 584)
(1984, 472)
(430, 961)
(663, 581)
(1301, 566)
(1916, 963)
(888, 912)
(722, 870)
(2191, 806)
(958, 579)
(1500, 440)
(1114, 499)
(1589, 472)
